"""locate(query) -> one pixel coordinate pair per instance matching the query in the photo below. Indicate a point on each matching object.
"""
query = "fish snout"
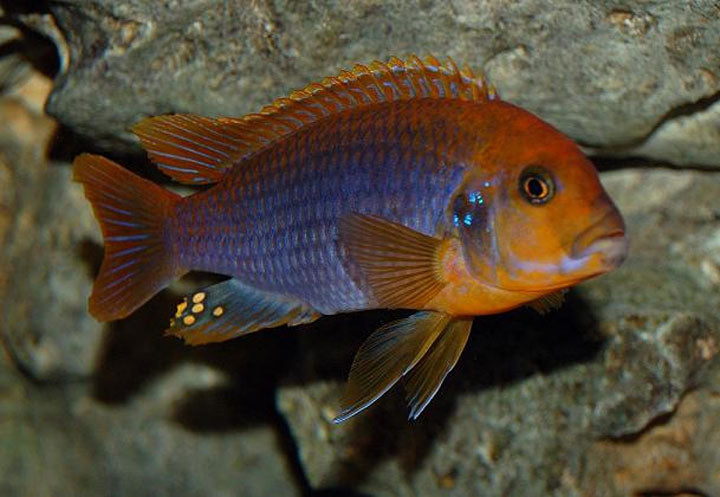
(606, 239)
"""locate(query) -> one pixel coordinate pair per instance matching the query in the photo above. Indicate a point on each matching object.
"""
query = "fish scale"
(367, 175)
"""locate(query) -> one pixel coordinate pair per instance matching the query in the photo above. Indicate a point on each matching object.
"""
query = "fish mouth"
(605, 241)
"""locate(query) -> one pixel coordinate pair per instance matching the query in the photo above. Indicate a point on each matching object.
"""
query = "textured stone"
(605, 74)
(613, 395)
(686, 140)
(533, 399)
(45, 280)
(669, 458)
(61, 440)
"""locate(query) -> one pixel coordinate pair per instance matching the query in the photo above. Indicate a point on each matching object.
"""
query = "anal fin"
(230, 309)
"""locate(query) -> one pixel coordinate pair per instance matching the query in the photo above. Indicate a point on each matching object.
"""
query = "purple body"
(273, 221)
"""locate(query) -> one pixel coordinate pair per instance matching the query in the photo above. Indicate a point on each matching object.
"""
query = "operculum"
(472, 217)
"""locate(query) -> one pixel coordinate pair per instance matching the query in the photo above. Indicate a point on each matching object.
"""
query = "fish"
(406, 184)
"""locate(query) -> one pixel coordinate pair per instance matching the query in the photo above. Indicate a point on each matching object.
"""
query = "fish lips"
(604, 240)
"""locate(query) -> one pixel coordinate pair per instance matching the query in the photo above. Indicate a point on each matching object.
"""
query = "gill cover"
(473, 218)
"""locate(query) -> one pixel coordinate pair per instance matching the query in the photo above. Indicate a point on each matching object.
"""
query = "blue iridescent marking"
(114, 209)
(127, 238)
(123, 266)
(189, 149)
(127, 251)
(476, 198)
(467, 220)
(127, 224)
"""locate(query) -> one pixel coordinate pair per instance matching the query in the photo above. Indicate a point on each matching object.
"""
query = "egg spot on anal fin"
(235, 309)
(181, 308)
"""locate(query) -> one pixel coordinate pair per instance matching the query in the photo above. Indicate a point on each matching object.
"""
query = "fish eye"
(536, 185)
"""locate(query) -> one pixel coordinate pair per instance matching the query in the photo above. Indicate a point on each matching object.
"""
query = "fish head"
(533, 215)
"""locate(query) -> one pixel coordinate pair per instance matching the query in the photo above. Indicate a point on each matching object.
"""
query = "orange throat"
(466, 295)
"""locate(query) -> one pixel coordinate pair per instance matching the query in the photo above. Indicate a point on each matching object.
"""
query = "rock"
(627, 70)
(45, 280)
(536, 404)
(61, 440)
(668, 458)
(686, 140)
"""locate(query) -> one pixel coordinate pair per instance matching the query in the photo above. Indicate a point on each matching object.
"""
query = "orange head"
(532, 214)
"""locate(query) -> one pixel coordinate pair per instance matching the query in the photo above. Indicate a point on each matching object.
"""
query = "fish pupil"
(535, 187)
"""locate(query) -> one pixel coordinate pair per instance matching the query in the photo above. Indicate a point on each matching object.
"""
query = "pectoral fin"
(423, 381)
(549, 302)
(386, 356)
(401, 265)
(230, 309)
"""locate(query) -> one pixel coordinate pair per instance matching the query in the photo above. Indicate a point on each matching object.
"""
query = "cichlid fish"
(406, 184)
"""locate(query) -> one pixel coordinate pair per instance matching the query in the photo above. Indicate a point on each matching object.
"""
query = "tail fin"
(133, 213)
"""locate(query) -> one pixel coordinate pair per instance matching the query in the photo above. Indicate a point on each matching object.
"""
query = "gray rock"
(668, 458)
(534, 401)
(686, 140)
(45, 279)
(61, 440)
(606, 75)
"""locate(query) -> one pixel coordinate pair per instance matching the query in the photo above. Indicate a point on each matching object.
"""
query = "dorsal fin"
(197, 150)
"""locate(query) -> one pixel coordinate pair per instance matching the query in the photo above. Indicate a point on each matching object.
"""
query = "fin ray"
(425, 379)
(198, 150)
(400, 264)
(548, 303)
(230, 309)
(386, 356)
(132, 214)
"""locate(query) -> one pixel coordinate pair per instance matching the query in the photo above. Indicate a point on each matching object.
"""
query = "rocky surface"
(62, 440)
(537, 404)
(44, 275)
(669, 458)
(615, 394)
(630, 67)
(690, 139)
(94, 410)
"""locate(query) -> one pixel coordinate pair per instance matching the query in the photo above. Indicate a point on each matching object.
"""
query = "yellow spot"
(218, 311)
(198, 308)
(198, 297)
(188, 320)
(181, 308)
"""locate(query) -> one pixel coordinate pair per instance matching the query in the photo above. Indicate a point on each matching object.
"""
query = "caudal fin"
(133, 214)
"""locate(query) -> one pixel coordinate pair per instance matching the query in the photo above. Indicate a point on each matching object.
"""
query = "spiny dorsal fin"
(197, 150)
